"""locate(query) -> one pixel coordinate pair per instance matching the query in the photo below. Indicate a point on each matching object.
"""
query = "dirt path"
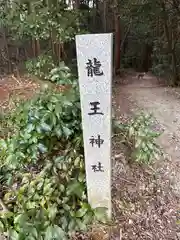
(152, 198)
(164, 104)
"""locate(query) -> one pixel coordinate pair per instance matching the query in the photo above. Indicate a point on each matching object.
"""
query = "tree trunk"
(104, 15)
(125, 36)
(38, 47)
(76, 4)
(33, 48)
(171, 48)
(175, 69)
(6, 49)
(147, 57)
(117, 44)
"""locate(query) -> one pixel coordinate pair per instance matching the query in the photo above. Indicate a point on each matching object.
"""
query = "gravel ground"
(146, 198)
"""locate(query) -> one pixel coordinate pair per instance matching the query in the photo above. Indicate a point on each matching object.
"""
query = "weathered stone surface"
(95, 90)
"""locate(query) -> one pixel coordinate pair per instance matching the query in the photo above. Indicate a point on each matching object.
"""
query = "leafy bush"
(140, 137)
(61, 75)
(42, 176)
(41, 123)
(44, 68)
(40, 66)
(54, 198)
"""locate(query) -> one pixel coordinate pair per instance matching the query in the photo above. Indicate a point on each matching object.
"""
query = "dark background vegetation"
(146, 33)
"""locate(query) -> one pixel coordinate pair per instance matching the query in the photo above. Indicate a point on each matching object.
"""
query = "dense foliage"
(151, 37)
(138, 135)
(40, 20)
(43, 190)
(45, 68)
(146, 32)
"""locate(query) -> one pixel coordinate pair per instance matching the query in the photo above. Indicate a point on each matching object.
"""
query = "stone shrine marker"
(94, 57)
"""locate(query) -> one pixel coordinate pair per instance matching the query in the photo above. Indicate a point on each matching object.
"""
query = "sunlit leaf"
(81, 212)
(75, 188)
(66, 131)
(13, 235)
(101, 214)
(55, 233)
(52, 210)
(42, 148)
(54, 77)
(1, 227)
(45, 127)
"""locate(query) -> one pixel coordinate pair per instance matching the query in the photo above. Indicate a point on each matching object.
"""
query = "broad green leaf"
(54, 70)
(59, 159)
(72, 225)
(9, 179)
(5, 215)
(27, 136)
(81, 225)
(81, 177)
(64, 222)
(81, 212)
(50, 106)
(30, 237)
(66, 207)
(131, 131)
(42, 148)
(59, 233)
(30, 127)
(21, 219)
(76, 161)
(68, 103)
(10, 158)
(47, 188)
(13, 235)
(3, 144)
(1, 227)
(49, 234)
(58, 109)
(54, 119)
(45, 127)
(61, 187)
(55, 233)
(34, 233)
(66, 131)
(52, 211)
(75, 188)
(87, 219)
(55, 77)
(58, 132)
(101, 214)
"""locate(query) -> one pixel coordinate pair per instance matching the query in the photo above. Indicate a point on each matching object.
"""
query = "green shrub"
(42, 176)
(140, 138)
(44, 68)
(40, 66)
(61, 75)
(51, 198)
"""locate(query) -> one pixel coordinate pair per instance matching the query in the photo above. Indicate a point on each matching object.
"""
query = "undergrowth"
(141, 139)
(45, 68)
(42, 173)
